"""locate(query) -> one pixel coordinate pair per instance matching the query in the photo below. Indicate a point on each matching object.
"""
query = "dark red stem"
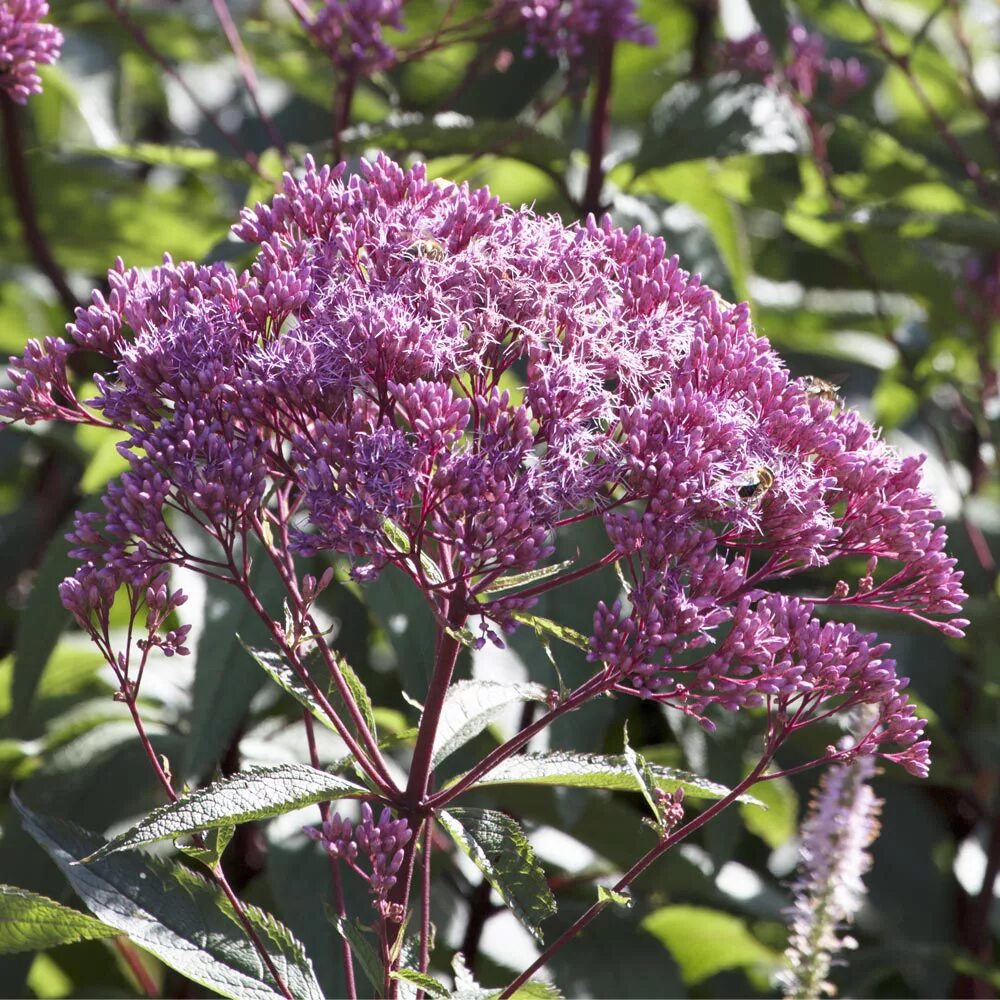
(600, 127)
(24, 205)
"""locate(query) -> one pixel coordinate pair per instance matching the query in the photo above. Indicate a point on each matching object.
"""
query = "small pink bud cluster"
(382, 842)
(572, 28)
(804, 66)
(25, 43)
(350, 31)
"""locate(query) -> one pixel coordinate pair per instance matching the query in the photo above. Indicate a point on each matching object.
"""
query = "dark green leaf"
(586, 770)
(176, 915)
(215, 843)
(257, 793)
(717, 119)
(422, 981)
(362, 949)
(501, 851)
(29, 922)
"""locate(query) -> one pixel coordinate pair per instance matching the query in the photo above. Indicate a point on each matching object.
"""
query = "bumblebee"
(756, 486)
(426, 248)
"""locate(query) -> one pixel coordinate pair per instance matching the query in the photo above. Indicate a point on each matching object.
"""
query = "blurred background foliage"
(874, 266)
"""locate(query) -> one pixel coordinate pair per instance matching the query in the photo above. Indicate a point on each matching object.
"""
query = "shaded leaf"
(362, 949)
(178, 916)
(421, 980)
(29, 922)
(717, 119)
(500, 849)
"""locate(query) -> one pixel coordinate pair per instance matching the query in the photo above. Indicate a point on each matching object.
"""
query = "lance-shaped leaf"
(422, 981)
(590, 770)
(500, 849)
(470, 706)
(361, 948)
(522, 579)
(546, 628)
(178, 916)
(645, 779)
(257, 793)
(29, 922)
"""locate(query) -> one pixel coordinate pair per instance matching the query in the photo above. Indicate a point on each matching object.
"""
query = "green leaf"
(704, 942)
(500, 849)
(29, 922)
(257, 793)
(546, 628)
(535, 989)
(362, 949)
(197, 159)
(445, 135)
(176, 915)
(279, 670)
(773, 20)
(778, 822)
(588, 770)
(421, 980)
(470, 706)
(640, 769)
(317, 668)
(216, 842)
(717, 119)
(225, 682)
(42, 622)
(605, 895)
(521, 579)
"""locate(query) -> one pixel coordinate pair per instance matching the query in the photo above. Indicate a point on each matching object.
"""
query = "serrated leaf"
(586, 770)
(216, 842)
(315, 662)
(29, 922)
(521, 579)
(471, 705)
(606, 895)
(421, 980)
(362, 949)
(535, 989)
(176, 915)
(500, 849)
(704, 941)
(278, 669)
(257, 793)
(546, 628)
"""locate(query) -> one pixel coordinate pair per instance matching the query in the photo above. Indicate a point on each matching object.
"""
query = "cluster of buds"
(449, 409)
(382, 842)
(350, 32)
(572, 29)
(802, 69)
(25, 43)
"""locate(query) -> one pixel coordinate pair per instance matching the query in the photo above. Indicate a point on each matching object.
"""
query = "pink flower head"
(351, 33)
(435, 380)
(570, 27)
(24, 44)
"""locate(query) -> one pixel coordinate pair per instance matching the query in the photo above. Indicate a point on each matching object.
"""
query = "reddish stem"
(600, 127)
(24, 205)
(147, 984)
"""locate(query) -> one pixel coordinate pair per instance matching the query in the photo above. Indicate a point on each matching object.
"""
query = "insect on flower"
(427, 248)
(756, 486)
(821, 389)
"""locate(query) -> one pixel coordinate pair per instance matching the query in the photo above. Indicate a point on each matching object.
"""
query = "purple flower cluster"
(24, 44)
(350, 31)
(383, 842)
(413, 373)
(571, 27)
(829, 890)
(802, 69)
